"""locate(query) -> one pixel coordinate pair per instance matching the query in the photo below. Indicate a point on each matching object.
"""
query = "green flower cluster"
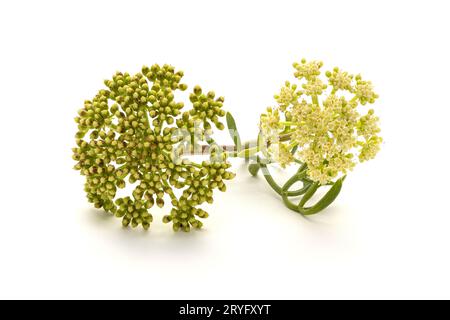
(206, 108)
(211, 176)
(130, 132)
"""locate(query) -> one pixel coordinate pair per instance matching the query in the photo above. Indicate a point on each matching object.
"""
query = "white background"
(386, 236)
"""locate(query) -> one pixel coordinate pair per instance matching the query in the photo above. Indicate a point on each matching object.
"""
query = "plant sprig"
(135, 132)
(317, 126)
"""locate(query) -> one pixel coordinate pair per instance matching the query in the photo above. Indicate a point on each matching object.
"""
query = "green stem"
(169, 190)
(294, 149)
(325, 201)
(199, 166)
(309, 193)
(269, 179)
(284, 191)
(285, 137)
(272, 183)
(246, 153)
(299, 176)
(303, 167)
(315, 99)
(300, 191)
(289, 123)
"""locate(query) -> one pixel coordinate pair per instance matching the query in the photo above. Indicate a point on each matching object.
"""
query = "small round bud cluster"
(364, 91)
(270, 124)
(128, 133)
(206, 108)
(324, 129)
(340, 80)
(314, 87)
(183, 218)
(134, 212)
(288, 95)
(202, 182)
(308, 70)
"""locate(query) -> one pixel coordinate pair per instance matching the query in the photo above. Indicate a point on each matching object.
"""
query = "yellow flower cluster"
(326, 130)
(270, 124)
(281, 154)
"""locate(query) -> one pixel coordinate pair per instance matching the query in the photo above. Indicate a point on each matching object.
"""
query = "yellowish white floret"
(323, 122)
